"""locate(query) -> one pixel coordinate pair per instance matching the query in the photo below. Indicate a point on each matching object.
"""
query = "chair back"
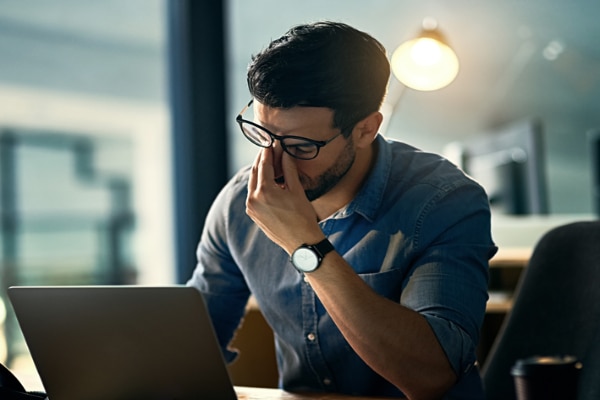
(556, 310)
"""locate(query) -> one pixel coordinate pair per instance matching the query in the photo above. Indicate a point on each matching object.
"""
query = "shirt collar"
(370, 196)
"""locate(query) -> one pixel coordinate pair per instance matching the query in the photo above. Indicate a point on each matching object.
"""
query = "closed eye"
(299, 149)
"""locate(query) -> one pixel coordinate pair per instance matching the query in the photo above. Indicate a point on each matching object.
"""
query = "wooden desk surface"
(250, 393)
(511, 257)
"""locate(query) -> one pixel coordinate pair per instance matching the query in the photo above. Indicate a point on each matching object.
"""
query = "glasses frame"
(317, 143)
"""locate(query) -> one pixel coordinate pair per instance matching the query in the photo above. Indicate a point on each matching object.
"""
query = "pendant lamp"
(426, 62)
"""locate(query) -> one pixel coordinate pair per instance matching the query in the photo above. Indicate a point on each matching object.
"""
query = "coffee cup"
(546, 378)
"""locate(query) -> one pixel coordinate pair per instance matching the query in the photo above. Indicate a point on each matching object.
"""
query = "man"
(367, 257)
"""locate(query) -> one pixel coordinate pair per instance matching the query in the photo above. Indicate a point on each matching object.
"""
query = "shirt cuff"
(458, 346)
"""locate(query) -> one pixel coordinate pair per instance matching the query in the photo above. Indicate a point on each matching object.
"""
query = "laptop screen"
(122, 342)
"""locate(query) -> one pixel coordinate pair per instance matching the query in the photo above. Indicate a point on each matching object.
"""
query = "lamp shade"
(425, 63)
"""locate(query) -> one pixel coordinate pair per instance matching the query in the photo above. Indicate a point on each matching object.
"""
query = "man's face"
(319, 175)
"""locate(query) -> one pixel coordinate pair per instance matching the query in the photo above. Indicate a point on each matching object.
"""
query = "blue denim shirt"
(418, 232)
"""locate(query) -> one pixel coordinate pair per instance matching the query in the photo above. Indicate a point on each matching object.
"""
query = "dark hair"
(323, 64)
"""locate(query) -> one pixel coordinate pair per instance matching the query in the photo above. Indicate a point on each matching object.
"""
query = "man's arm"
(393, 340)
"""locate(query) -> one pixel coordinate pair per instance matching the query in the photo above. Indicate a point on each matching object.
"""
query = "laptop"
(122, 342)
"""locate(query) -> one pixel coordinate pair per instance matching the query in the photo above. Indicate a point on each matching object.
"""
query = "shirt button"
(327, 381)
(305, 279)
(311, 336)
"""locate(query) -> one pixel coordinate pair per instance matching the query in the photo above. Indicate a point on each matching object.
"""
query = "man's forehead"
(288, 120)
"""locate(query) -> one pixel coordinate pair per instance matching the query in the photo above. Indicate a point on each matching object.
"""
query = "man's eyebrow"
(289, 132)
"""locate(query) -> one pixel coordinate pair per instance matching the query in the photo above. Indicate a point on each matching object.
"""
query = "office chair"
(556, 311)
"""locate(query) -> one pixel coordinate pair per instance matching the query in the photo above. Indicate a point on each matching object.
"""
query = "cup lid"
(542, 364)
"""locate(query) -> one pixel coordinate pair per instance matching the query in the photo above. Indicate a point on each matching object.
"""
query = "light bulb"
(426, 52)
(425, 64)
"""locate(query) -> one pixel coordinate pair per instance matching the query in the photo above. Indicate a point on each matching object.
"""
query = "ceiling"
(519, 59)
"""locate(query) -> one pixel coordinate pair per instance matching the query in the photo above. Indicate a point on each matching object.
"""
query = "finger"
(290, 172)
(266, 172)
(253, 178)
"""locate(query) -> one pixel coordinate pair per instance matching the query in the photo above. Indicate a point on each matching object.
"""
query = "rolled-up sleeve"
(449, 279)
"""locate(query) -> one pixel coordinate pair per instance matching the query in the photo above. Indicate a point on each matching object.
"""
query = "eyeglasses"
(296, 146)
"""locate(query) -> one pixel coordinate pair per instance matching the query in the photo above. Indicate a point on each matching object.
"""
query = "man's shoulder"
(412, 166)
(238, 183)
(232, 196)
(241, 176)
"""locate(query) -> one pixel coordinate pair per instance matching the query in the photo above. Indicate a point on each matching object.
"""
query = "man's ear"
(366, 130)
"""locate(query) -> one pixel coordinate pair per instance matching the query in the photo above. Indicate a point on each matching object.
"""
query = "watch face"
(305, 259)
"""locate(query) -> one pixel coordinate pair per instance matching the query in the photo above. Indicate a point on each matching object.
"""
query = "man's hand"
(281, 210)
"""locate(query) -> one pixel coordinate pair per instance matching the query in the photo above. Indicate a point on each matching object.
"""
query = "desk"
(250, 393)
(505, 270)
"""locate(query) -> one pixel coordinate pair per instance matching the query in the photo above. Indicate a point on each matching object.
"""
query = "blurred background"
(117, 120)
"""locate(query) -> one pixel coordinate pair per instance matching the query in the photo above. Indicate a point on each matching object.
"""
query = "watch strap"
(323, 247)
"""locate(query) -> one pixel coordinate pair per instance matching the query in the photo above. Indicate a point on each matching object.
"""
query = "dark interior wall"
(197, 90)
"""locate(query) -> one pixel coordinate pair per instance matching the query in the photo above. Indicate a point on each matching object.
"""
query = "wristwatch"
(307, 257)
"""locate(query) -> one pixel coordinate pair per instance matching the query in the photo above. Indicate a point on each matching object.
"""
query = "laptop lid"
(122, 342)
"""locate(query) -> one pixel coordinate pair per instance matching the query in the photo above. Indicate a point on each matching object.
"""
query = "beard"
(317, 187)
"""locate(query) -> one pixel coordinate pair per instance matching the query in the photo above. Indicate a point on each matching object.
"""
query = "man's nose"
(277, 148)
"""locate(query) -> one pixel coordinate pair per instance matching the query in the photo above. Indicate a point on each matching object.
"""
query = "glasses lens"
(256, 135)
(300, 148)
